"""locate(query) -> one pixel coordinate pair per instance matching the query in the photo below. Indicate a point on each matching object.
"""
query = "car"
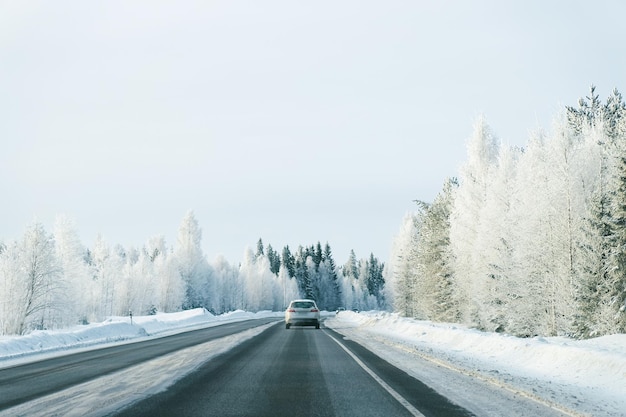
(302, 313)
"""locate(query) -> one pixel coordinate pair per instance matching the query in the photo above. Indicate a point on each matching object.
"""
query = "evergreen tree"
(274, 259)
(403, 268)
(351, 267)
(316, 253)
(288, 261)
(588, 112)
(432, 258)
(259, 248)
(335, 297)
(301, 273)
(614, 286)
(594, 250)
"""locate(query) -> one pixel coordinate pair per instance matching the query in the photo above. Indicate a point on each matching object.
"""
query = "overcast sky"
(290, 121)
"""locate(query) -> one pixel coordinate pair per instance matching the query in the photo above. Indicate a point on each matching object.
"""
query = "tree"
(402, 268)
(259, 248)
(351, 267)
(33, 282)
(76, 274)
(192, 265)
(374, 280)
(274, 259)
(588, 113)
(432, 264)
(613, 288)
(288, 261)
(301, 273)
(334, 292)
(470, 199)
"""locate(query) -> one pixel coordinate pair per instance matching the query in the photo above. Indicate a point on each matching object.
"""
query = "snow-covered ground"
(45, 343)
(579, 377)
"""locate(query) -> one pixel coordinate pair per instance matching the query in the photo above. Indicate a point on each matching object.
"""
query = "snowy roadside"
(585, 377)
(47, 343)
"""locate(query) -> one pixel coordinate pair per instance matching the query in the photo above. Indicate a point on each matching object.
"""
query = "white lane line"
(414, 411)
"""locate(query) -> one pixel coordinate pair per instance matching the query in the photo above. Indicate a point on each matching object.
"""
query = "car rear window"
(302, 304)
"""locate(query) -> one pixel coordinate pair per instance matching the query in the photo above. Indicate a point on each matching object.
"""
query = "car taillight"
(314, 310)
(291, 310)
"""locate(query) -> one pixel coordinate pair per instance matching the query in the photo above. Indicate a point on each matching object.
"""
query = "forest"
(51, 280)
(526, 241)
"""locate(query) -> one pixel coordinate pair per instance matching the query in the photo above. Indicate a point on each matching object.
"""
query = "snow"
(46, 343)
(586, 377)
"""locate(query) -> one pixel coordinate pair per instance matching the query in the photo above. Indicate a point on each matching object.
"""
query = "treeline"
(51, 280)
(527, 241)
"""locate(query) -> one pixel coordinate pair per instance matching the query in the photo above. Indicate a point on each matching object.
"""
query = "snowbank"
(588, 376)
(113, 330)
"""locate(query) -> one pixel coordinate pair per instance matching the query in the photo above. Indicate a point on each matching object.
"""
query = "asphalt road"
(297, 372)
(23, 383)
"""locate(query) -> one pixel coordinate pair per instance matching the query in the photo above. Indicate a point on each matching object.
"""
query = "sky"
(295, 122)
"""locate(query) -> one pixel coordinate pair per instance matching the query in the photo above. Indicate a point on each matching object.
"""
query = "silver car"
(302, 313)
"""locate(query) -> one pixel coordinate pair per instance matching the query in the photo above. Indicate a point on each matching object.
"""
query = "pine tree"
(259, 248)
(614, 294)
(403, 264)
(301, 273)
(435, 282)
(274, 259)
(288, 261)
(588, 113)
(351, 267)
(335, 299)
(592, 270)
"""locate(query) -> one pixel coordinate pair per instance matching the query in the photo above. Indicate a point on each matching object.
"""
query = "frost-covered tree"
(32, 282)
(76, 274)
(433, 273)
(193, 268)
(11, 289)
(403, 261)
(289, 287)
(470, 199)
(612, 297)
(106, 265)
(228, 286)
(171, 287)
(259, 282)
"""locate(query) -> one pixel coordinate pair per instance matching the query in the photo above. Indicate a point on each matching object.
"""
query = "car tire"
(287, 326)
(317, 326)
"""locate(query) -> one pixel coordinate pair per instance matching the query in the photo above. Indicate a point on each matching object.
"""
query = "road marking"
(414, 411)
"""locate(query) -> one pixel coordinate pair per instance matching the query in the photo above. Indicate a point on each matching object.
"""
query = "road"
(251, 368)
(296, 372)
(22, 383)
